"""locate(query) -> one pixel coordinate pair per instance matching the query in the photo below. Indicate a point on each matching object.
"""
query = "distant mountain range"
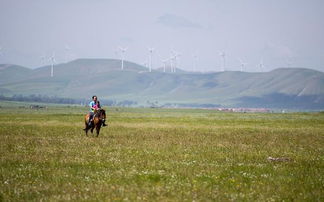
(297, 88)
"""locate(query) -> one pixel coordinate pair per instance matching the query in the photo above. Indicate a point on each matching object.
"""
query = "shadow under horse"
(97, 120)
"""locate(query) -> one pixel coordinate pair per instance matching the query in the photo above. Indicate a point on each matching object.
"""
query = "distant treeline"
(60, 100)
(124, 103)
(279, 100)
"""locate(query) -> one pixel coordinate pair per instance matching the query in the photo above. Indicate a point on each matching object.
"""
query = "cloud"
(174, 21)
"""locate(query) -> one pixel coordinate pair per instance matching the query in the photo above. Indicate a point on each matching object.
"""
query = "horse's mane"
(100, 112)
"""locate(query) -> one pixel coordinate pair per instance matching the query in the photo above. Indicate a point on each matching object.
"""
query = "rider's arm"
(91, 105)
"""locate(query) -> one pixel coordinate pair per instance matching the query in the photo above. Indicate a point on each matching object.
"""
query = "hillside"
(284, 87)
(10, 73)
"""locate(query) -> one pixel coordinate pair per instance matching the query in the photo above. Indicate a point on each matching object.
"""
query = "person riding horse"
(94, 106)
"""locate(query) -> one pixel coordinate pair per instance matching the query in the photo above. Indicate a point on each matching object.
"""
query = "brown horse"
(97, 120)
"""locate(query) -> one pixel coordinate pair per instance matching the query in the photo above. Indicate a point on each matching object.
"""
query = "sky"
(262, 34)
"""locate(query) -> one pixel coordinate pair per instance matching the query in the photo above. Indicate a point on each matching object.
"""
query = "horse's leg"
(98, 128)
(86, 124)
(94, 124)
(86, 129)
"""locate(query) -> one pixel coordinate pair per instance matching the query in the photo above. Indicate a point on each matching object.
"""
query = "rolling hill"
(284, 87)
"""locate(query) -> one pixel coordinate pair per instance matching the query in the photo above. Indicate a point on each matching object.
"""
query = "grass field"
(160, 155)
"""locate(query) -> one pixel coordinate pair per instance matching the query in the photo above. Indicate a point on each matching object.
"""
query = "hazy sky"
(280, 33)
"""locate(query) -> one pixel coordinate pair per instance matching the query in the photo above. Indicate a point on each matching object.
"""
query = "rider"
(94, 105)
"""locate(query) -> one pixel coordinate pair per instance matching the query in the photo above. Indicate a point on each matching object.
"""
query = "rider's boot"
(103, 123)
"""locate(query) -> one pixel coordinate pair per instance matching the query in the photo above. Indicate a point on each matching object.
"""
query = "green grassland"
(160, 155)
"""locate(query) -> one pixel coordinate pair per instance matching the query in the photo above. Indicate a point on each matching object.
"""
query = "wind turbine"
(222, 54)
(174, 57)
(164, 61)
(43, 59)
(242, 65)
(261, 65)
(122, 50)
(151, 50)
(171, 64)
(164, 64)
(53, 61)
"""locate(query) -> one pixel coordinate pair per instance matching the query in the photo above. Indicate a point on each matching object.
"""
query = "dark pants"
(91, 114)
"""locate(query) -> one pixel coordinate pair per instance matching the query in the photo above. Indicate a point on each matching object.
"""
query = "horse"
(97, 120)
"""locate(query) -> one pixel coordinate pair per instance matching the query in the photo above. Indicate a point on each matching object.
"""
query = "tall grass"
(160, 155)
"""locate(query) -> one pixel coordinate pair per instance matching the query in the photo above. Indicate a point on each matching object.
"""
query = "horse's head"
(100, 113)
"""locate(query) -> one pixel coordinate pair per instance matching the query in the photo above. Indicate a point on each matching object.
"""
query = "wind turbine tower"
(242, 65)
(150, 58)
(171, 64)
(261, 66)
(174, 57)
(53, 61)
(122, 50)
(222, 54)
(43, 60)
(164, 64)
